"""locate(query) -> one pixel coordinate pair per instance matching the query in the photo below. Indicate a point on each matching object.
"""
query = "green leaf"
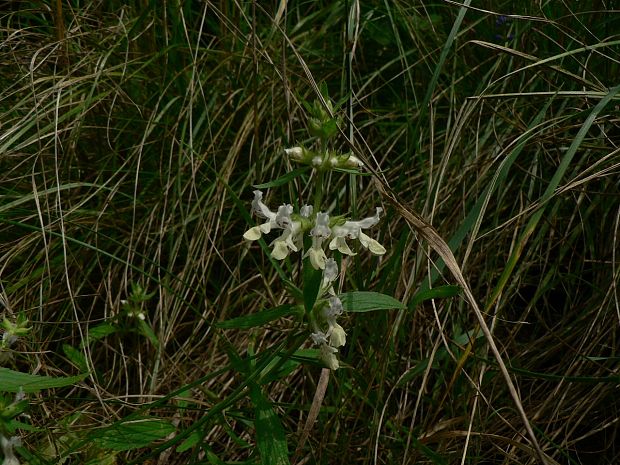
(13, 381)
(76, 357)
(257, 319)
(148, 332)
(133, 434)
(440, 292)
(270, 437)
(283, 179)
(190, 442)
(436, 458)
(312, 284)
(99, 332)
(364, 301)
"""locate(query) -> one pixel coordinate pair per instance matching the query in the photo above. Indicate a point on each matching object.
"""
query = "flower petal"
(280, 250)
(337, 336)
(317, 258)
(342, 246)
(371, 244)
(253, 234)
(331, 271)
(258, 207)
(328, 355)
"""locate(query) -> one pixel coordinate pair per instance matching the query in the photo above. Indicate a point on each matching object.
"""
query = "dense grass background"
(130, 135)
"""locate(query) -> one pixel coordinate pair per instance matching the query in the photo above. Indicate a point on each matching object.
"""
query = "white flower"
(330, 273)
(8, 339)
(334, 309)
(262, 211)
(290, 240)
(283, 217)
(335, 333)
(319, 233)
(353, 230)
(296, 153)
(353, 162)
(306, 211)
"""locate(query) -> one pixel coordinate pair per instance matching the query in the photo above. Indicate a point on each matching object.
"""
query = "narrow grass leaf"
(190, 442)
(270, 437)
(13, 381)
(285, 179)
(440, 292)
(429, 453)
(132, 434)
(549, 193)
(366, 301)
(75, 356)
(257, 319)
(99, 332)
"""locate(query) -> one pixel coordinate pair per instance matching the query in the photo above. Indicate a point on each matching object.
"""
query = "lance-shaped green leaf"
(365, 301)
(440, 292)
(270, 437)
(258, 319)
(133, 434)
(13, 381)
(283, 179)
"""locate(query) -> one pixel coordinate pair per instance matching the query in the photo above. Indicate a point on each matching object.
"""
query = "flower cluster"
(327, 333)
(322, 229)
(326, 163)
(320, 226)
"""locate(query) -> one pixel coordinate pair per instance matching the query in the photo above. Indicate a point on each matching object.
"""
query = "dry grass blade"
(319, 395)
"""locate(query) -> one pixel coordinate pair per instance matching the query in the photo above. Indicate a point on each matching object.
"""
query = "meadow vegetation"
(131, 135)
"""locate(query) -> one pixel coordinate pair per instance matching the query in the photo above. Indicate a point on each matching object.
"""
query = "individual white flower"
(296, 153)
(319, 233)
(290, 240)
(353, 230)
(353, 162)
(327, 352)
(283, 216)
(334, 308)
(330, 273)
(336, 334)
(20, 395)
(306, 211)
(262, 211)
